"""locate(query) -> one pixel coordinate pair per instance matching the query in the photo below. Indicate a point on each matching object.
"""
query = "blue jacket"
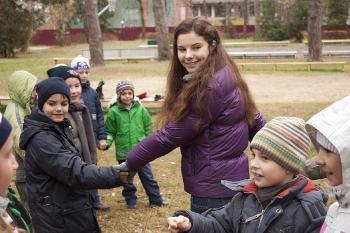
(92, 101)
(213, 153)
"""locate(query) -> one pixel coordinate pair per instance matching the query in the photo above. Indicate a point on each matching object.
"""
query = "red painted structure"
(47, 36)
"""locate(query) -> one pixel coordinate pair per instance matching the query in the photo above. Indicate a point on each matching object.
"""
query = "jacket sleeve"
(67, 167)
(219, 220)
(175, 134)
(101, 131)
(259, 123)
(111, 126)
(147, 121)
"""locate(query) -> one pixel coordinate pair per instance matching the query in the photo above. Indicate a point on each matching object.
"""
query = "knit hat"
(325, 143)
(124, 85)
(285, 141)
(49, 87)
(5, 130)
(62, 71)
(80, 63)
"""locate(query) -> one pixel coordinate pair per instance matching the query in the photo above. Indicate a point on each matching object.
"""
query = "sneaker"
(162, 204)
(102, 206)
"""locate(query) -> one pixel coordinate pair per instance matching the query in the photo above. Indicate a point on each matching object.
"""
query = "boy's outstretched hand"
(179, 224)
(102, 145)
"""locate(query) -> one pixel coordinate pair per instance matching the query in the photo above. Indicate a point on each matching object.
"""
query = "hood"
(20, 87)
(334, 123)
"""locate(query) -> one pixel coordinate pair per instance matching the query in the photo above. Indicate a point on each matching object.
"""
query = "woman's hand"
(179, 224)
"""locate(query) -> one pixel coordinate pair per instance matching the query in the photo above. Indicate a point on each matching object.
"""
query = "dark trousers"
(149, 184)
(201, 204)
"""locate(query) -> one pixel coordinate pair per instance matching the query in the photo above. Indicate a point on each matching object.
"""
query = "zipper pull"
(254, 217)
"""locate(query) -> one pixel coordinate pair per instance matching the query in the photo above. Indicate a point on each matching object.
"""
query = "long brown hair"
(180, 95)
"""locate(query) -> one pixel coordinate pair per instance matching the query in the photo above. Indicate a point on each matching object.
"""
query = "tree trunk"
(245, 11)
(205, 9)
(92, 27)
(257, 12)
(314, 30)
(160, 21)
(143, 32)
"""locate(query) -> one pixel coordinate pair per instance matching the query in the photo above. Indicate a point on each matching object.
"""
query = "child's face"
(266, 172)
(8, 164)
(56, 107)
(126, 97)
(331, 164)
(192, 51)
(75, 89)
(84, 75)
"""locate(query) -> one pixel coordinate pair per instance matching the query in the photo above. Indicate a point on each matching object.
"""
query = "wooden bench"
(263, 54)
(4, 100)
(309, 65)
(256, 43)
(336, 53)
(131, 59)
(62, 60)
(67, 60)
(340, 41)
(152, 106)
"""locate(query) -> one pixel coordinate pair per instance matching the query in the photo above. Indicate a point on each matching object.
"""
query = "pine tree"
(16, 26)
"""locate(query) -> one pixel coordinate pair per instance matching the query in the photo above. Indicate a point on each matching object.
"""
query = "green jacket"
(20, 87)
(127, 127)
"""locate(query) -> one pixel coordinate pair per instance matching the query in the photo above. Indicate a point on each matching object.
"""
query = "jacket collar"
(303, 183)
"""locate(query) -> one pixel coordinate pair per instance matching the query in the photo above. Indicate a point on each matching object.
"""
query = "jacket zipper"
(255, 217)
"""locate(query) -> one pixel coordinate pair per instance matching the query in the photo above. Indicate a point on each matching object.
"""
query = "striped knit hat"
(285, 141)
(124, 85)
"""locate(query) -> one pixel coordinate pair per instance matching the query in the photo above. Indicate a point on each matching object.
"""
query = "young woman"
(208, 112)
(57, 177)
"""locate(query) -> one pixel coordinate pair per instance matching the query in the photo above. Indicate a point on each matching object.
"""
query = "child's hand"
(102, 145)
(179, 224)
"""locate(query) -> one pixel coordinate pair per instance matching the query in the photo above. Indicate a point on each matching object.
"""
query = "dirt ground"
(266, 88)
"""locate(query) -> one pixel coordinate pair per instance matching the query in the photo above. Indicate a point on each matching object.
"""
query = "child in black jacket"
(278, 199)
(58, 179)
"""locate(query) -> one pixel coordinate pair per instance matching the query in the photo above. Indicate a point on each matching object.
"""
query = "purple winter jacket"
(213, 153)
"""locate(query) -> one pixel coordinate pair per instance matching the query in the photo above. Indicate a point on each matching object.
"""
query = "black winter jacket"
(299, 209)
(57, 179)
